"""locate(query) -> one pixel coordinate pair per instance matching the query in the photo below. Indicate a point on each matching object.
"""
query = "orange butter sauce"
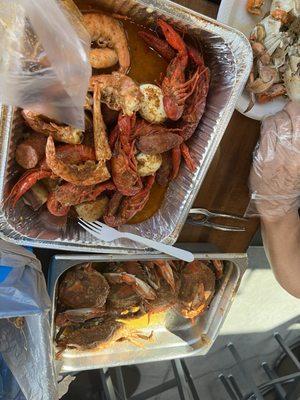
(146, 67)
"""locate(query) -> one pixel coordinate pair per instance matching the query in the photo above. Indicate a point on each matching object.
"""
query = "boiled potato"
(40, 192)
(148, 164)
(152, 107)
(92, 210)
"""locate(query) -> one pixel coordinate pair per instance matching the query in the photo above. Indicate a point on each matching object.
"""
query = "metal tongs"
(205, 216)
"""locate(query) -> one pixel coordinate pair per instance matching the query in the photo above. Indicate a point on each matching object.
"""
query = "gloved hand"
(275, 175)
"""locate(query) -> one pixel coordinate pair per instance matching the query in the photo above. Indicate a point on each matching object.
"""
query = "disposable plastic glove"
(275, 174)
(275, 194)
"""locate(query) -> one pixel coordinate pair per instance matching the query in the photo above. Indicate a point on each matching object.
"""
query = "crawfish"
(123, 163)
(195, 104)
(121, 209)
(193, 112)
(158, 44)
(174, 86)
(155, 138)
(196, 101)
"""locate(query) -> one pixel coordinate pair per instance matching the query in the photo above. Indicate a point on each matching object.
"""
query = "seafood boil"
(275, 44)
(136, 134)
(98, 304)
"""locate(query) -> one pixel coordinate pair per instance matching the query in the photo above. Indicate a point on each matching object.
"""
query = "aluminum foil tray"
(229, 57)
(178, 338)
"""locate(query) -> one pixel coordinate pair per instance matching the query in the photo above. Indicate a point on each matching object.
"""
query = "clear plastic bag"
(9, 388)
(44, 63)
(275, 175)
(24, 323)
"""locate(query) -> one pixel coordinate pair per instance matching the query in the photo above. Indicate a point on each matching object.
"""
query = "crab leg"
(185, 152)
(123, 163)
(83, 175)
(55, 207)
(176, 160)
(121, 209)
(78, 316)
(71, 195)
(61, 133)
(158, 44)
(166, 271)
(174, 81)
(139, 286)
(218, 265)
(102, 149)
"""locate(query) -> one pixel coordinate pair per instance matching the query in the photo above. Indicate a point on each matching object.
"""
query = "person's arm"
(281, 239)
(275, 194)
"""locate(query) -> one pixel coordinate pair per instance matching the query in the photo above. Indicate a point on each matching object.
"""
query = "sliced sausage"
(31, 150)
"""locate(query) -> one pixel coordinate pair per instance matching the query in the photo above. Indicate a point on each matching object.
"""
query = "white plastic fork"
(108, 234)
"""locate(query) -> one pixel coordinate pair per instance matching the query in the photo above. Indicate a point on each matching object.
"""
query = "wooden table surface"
(225, 186)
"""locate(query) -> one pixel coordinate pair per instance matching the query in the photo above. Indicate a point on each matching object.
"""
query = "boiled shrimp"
(103, 58)
(107, 32)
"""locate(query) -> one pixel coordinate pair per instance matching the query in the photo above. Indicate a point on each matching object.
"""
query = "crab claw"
(89, 173)
(166, 271)
(139, 286)
(218, 266)
(160, 45)
(173, 38)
